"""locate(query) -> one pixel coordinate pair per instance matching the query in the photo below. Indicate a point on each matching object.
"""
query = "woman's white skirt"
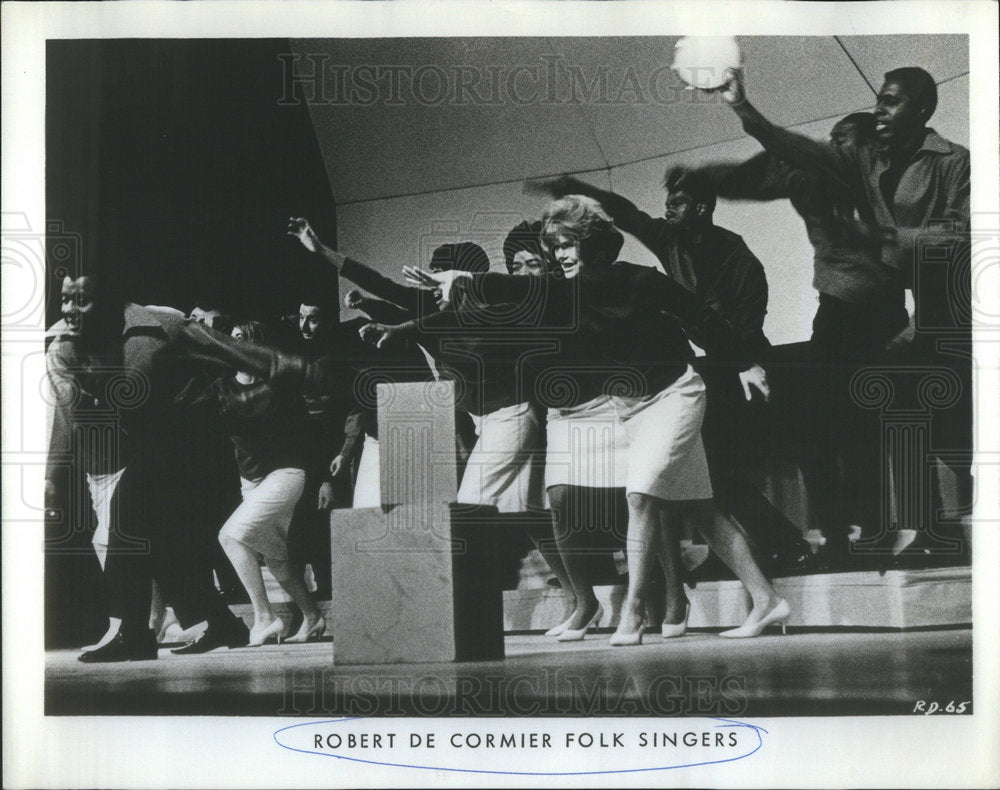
(503, 468)
(367, 486)
(650, 445)
(262, 518)
(586, 445)
(666, 456)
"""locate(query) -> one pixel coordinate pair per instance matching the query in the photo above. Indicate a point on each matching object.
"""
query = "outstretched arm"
(197, 343)
(409, 298)
(823, 159)
(377, 333)
(299, 228)
(761, 177)
(377, 309)
(489, 288)
(623, 212)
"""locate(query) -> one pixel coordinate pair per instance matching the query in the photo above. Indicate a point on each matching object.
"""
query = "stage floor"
(801, 674)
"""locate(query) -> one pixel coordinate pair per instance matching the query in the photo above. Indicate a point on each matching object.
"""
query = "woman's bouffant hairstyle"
(581, 219)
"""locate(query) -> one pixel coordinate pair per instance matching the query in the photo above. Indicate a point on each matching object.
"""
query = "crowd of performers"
(575, 372)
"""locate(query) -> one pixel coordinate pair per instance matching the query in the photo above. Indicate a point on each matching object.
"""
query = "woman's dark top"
(268, 428)
(613, 329)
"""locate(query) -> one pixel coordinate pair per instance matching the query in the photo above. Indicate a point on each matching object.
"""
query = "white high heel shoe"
(261, 636)
(626, 638)
(673, 630)
(576, 634)
(777, 616)
(558, 629)
(307, 633)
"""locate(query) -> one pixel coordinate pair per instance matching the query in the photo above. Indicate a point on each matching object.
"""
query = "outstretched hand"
(423, 279)
(435, 281)
(375, 334)
(734, 91)
(300, 228)
(354, 299)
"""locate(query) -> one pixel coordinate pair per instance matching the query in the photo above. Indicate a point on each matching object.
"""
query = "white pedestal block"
(415, 583)
(416, 429)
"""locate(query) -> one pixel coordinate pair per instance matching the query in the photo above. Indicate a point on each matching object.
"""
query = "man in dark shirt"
(87, 454)
(321, 336)
(917, 186)
(730, 290)
(163, 523)
(861, 308)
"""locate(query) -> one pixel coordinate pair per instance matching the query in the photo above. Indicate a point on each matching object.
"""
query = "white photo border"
(44, 751)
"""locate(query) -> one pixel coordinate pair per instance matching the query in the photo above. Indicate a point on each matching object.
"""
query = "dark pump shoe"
(233, 633)
(120, 648)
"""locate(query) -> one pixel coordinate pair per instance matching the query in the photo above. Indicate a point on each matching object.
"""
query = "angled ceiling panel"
(791, 79)
(470, 112)
(944, 57)
(425, 138)
(951, 119)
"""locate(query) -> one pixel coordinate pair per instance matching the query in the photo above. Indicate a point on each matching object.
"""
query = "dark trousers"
(309, 531)
(937, 371)
(843, 462)
(166, 514)
(733, 433)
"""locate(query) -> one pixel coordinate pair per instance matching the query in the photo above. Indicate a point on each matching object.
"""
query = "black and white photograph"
(530, 393)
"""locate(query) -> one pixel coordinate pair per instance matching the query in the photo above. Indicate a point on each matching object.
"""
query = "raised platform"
(802, 674)
(897, 599)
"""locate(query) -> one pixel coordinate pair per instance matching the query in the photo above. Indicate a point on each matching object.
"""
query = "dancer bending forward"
(268, 434)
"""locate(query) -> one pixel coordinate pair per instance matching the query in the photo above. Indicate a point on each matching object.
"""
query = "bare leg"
(546, 546)
(293, 584)
(575, 563)
(643, 534)
(731, 545)
(248, 569)
(668, 549)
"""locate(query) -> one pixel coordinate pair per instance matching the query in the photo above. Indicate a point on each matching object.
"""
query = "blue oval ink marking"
(726, 723)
